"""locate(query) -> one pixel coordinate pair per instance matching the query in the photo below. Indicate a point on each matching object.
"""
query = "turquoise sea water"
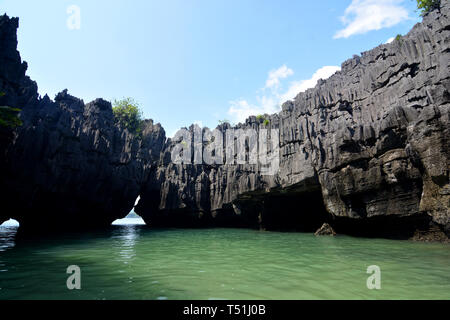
(135, 262)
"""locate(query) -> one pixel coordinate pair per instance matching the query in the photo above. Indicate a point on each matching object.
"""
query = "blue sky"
(200, 61)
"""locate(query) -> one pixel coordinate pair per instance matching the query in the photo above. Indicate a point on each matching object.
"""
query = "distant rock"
(432, 234)
(325, 230)
(132, 215)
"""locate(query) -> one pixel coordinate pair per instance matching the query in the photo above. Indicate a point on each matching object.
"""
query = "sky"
(198, 61)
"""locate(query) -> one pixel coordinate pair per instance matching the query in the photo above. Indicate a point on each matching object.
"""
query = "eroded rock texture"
(366, 151)
(68, 166)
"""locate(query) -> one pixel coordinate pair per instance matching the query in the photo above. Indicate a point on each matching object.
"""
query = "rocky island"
(366, 152)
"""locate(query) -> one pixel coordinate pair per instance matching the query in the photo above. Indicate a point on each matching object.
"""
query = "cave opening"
(11, 223)
(132, 218)
(299, 211)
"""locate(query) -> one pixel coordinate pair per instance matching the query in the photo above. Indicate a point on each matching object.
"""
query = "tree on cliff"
(426, 6)
(9, 117)
(128, 114)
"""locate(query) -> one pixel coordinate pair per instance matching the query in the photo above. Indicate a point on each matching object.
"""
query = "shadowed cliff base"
(366, 151)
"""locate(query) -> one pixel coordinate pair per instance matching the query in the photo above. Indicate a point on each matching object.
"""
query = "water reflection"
(129, 221)
(7, 241)
(7, 237)
(125, 238)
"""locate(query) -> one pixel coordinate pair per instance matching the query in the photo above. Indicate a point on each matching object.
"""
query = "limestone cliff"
(68, 166)
(366, 151)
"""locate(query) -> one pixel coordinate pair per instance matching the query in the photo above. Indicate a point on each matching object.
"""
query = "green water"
(133, 262)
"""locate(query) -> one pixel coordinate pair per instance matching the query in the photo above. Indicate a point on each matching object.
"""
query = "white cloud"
(366, 15)
(241, 109)
(275, 75)
(303, 85)
(390, 40)
(270, 102)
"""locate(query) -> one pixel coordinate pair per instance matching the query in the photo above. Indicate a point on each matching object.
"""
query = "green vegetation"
(127, 114)
(426, 6)
(9, 117)
(262, 118)
(398, 37)
(224, 121)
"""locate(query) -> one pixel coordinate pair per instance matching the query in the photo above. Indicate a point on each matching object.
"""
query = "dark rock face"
(432, 234)
(68, 165)
(366, 151)
(325, 230)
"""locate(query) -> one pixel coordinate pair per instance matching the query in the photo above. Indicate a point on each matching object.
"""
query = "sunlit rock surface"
(366, 150)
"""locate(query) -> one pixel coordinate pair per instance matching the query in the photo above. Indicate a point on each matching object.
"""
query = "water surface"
(134, 262)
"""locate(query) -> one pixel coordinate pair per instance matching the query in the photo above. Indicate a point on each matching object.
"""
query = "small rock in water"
(325, 230)
(432, 234)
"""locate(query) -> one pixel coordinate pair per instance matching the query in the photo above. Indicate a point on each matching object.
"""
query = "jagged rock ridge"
(366, 151)
(68, 166)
